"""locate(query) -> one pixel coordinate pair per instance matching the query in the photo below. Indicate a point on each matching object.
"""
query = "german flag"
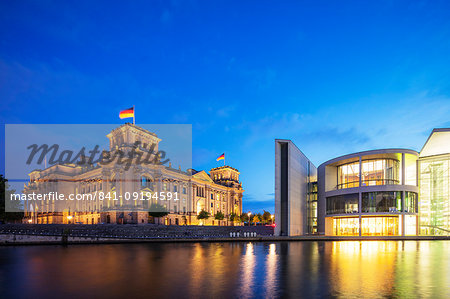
(221, 157)
(127, 113)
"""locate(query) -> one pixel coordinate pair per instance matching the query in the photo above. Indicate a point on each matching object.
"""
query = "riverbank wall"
(23, 234)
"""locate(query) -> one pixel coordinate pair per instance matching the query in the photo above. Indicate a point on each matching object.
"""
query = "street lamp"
(249, 214)
(271, 217)
(69, 218)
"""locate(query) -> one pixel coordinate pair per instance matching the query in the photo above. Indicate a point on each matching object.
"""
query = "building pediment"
(203, 176)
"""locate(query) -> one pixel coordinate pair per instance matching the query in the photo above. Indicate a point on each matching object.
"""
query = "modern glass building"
(387, 192)
(371, 193)
(434, 184)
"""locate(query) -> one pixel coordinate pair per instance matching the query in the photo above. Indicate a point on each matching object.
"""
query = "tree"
(157, 211)
(234, 217)
(5, 194)
(219, 216)
(259, 217)
(266, 217)
(203, 215)
(244, 217)
(256, 218)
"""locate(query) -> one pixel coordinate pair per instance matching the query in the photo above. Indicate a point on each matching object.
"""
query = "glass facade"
(380, 226)
(346, 226)
(343, 204)
(348, 175)
(383, 202)
(312, 208)
(434, 205)
(373, 226)
(390, 225)
(411, 170)
(373, 172)
(380, 172)
(411, 202)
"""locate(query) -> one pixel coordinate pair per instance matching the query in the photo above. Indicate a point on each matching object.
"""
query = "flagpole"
(223, 160)
(134, 113)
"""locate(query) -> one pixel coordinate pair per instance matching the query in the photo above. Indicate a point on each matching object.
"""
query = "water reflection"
(364, 268)
(271, 272)
(246, 270)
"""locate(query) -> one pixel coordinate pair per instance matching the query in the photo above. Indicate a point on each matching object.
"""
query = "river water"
(227, 270)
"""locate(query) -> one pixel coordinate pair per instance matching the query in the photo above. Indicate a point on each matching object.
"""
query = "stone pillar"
(194, 199)
(120, 193)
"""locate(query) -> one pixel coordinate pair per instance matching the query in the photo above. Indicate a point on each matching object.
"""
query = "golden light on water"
(246, 270)
(271, 272)
(363, 268)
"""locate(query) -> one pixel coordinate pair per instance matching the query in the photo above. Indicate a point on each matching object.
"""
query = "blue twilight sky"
(335, 77)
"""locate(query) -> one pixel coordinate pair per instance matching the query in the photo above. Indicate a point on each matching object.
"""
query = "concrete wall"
(293, 221)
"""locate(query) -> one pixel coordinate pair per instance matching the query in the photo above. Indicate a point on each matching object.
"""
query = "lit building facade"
(371, 193)
(434, 184)
(218, 191)
(388, 192)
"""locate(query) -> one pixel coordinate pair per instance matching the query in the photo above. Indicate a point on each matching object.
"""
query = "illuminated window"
(380, 172)
(348, 175)
(346, 226)
(380, 226)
